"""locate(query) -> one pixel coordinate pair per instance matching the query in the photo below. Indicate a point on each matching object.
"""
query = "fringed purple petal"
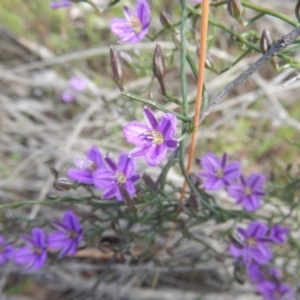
(60, 226)
(136, 177)
(38, 237)
(256, 181)
(128, 13)
(210, 162)
(235, 251)
(134, 131)
(38, 262)
(23, 255)
(104, 179)
(172, 144)
(126, 165)
(95, 156)
(111, 192)
(232, 170)
(143, 13)
(69, 249)
(137, 152)
(257, 229)
(251, 203)
(213, 183)
(167, 126)
(58, 240)
(129, 186)
(82, 176)
(111, 163)
(72, 222)
(156, 154)
(150, 118)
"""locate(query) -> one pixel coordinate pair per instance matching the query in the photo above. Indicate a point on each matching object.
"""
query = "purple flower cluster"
(253, 250)
(76, 85)
(106, 174)
(218, 173)
(152, 140)
(34, 253)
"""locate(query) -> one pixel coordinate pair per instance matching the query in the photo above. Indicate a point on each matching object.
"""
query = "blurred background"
(41, 50)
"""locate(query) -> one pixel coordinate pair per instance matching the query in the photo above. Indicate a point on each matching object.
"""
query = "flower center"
(247, 190)
(2, 248)
(220, 173)
(121, 178)
(136, 24)
(251, 242)
(90, 166)
(72, 234)
(277, 295)
(156, 136)
(36, 249)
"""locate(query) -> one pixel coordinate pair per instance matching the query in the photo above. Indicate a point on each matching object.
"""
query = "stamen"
(220, 173)
(72, 234)
(121, 178)
(90, 166)
(248, 190)
(251, 242)
(154, 135)
(136, 24)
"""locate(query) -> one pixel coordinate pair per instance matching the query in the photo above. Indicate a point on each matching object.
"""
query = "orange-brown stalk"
(202, 58)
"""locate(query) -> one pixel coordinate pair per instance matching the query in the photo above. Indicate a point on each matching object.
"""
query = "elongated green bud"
(165, 20)
(116, 68)
(159, 66)
(265, 41)
(235, 9)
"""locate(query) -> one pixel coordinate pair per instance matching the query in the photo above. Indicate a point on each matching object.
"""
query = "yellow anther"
(121, 178)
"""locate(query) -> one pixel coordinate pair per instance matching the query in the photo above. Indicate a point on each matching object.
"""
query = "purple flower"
(69, 235)
(34, 254)
(217, 172)
(278, 233)
(87, 167)
(67, 96)
(258, 273)
(275, 291)
(6, 251)
(154, 139)
(253, 248)
(248, 191)
(135, 27)
(116, 175)
(76, 85)
(60, 3)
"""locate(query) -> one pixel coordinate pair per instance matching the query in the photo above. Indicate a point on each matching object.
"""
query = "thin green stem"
(157, 105)
(183, 52)
(263, 10)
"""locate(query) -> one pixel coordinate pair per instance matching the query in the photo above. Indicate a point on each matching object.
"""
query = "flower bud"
(297, 10)
(159, 66)
(62, 184)
(235, 9)
(265, 41)
(116, 68)
(165, 20)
